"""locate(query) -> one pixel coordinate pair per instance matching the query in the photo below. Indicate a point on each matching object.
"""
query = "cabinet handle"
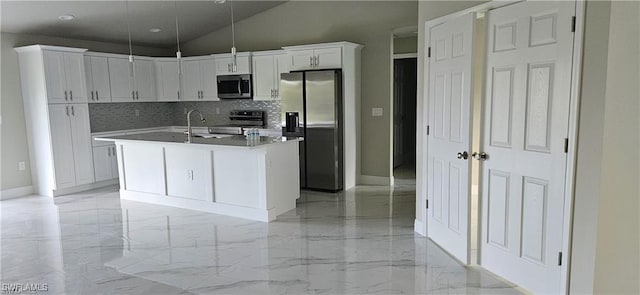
(71, 94)
(277, 93)
(67, 107)
(311, 61)
(65, 95)
(178, 94)
(271, 93)
(137, 95)
(318, 60)
(109, 151)
(97, 95)
(92, 95)
(114, 151)
(73, 112)
(133, 94)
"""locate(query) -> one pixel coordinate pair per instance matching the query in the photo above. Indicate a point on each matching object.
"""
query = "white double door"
(525, 125)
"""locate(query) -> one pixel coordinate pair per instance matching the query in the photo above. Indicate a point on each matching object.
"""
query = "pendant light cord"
(132, 70)
(233, 39)
(175, 6)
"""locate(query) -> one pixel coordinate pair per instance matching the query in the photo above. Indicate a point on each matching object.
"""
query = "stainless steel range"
(241, 120)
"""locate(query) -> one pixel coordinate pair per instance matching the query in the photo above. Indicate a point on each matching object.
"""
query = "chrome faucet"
(189, 132)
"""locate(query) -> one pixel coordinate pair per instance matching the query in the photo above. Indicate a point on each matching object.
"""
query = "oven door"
(234, 86)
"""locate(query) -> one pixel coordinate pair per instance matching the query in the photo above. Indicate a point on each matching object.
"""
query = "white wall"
(369, 23)
(13, 145)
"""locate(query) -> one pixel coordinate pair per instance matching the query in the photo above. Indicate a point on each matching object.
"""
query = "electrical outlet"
(137, 113)
(376, 112)
(217, 111)
(21, 166)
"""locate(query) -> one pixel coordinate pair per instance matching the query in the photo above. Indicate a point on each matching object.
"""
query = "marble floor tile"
(355, 242)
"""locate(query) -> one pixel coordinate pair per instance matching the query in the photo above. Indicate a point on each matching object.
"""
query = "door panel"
(102, 162)
(526, 121)
(54, 73)
(263, 77)
(191, 79)
(75, 77)
(329, 58)
(450, 91)
(62, 145)
(282, 62)
(168, 81)
(120, 79)
(145, 80)
(209, 81)
(100, 79)
(82, 149)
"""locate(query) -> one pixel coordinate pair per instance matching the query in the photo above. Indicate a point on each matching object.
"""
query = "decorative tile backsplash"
(121, 116)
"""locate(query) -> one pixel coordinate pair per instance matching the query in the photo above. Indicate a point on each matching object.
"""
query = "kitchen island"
(256, 179)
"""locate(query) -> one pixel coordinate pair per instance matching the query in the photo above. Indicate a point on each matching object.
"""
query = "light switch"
(137, 113)
(376, 112)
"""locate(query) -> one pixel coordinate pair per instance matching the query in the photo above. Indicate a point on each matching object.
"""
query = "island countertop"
(238, 141)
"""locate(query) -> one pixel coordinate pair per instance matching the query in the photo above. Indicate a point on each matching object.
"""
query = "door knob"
(464, 155)
(480, 156)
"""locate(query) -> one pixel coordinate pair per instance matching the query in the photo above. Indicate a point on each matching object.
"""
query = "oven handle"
(240, 86)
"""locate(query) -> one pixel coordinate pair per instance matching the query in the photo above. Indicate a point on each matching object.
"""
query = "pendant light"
(178, 52)
(132, 71)
(233, 40)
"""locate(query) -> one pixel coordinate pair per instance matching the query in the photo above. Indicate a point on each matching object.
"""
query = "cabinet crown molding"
(324, 45)
(38, 47)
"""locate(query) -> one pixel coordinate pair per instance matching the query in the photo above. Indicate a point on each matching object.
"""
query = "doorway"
(404, 118)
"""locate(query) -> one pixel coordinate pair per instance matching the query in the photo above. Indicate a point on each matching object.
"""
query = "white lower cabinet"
(71, 145)
(189, 173)
(105, 162)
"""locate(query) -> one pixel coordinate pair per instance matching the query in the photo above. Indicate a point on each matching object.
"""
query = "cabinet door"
(301, 59)
(243, 65)
(188, 173)
(145, 80)
(120, 80)
(223, 66)
(82, 150)
(88, 79)
(62, 145)
(282, 66)
(191, 78)
(75, 77)
(209, 80)
(168, 80)
(102, 162)
(100, 79)
(114, 162)
(329, 58)
(54, 74)
(263, 77)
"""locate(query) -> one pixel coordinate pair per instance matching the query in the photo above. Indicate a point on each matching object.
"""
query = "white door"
(223, 65)
(145, 80)
(54, 74)
(120, 79)
(100, 79)
(62, 145)
(301, 59)
(89, 79)
(114, 162)
(168, 81)
(448, 166)
(329, 58)
(209, 80)
(75, 77)
(529, 57)
(263, 77)
(192, 79)
(283, 64)
(82, 150)
(102, 162)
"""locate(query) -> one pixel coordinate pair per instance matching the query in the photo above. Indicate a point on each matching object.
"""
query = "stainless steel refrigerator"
(312, 108)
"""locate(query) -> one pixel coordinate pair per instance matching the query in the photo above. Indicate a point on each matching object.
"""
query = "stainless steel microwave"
(235, 86)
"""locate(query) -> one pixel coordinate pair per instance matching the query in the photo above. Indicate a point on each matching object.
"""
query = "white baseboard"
(84, 187)
(16, 192)
(375, 180)
(419, 228)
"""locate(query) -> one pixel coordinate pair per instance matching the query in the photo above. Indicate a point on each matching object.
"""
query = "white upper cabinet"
(121, 80)
(129, 83)
(315, 58)
(224, 64)
(64, 76)
(199, 79)
(168, 78)
(266, 75)
(97, 71)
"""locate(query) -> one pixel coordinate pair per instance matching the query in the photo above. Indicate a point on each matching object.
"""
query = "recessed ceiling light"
(155, 30)
(66, 17)
(219, 1)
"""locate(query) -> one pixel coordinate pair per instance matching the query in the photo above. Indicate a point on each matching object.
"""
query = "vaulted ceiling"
(107, 20)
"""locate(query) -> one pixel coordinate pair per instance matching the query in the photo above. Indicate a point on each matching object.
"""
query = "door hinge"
(559, 258)
(427, 203)
(429, 51)
(566, 145)
(427, 129)
(573, 24)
